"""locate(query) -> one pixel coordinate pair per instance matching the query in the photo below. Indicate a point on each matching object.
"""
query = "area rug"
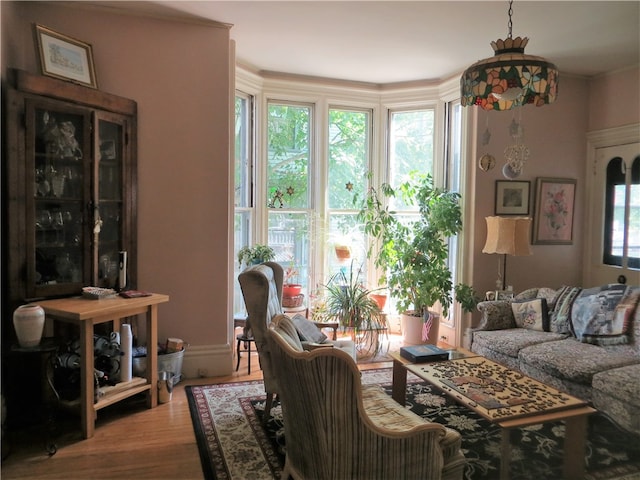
(234, 445)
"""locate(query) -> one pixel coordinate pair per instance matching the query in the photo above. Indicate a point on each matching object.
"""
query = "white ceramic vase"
(28, 320)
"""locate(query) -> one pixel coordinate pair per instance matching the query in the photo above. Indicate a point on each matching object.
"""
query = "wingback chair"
(335, 427)
(262, 292)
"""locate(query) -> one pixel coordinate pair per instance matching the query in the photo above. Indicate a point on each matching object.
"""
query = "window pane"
(242, 236)
(410, 146)
(242, 153)
(288, 132)
(243, 198)
(348, 156)
(288, 236)
(634, 217)
(617, 231)
(614, 213)
(617, 242)
(346, 230)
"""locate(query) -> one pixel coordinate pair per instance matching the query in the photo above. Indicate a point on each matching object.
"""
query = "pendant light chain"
(510, 22)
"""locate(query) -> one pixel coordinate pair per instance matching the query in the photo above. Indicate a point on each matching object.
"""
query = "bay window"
(321, 151)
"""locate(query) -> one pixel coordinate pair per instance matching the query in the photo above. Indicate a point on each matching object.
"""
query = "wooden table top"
(80, 308)
(496, 392)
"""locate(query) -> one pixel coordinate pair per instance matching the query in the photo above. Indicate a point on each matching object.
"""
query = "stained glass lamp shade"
(510, 78)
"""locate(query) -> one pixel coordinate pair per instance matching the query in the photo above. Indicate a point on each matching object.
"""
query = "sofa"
(582, 341)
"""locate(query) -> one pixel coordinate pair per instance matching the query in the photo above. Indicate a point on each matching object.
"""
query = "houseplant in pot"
(413, 255)
(349, 301)
(291, 292)
(248, 256)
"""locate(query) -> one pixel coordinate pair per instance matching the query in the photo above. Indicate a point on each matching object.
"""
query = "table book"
(423, 353)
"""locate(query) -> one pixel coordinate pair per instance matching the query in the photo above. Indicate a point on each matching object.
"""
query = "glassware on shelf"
(57, 184)
(64, 267)
(43, 223)
(58, 226)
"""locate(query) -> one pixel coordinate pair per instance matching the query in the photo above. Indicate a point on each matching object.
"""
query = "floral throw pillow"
(531, 314)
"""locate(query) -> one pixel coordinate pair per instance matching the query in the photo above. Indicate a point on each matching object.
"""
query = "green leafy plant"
(256, 254)
(413, 255)
(348, 300)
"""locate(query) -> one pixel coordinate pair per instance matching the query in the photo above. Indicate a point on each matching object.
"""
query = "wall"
(179, 73)
(614, 99)
(555, 135)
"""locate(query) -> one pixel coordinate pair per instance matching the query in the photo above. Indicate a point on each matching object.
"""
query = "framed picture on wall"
(553, 222)
(512, 197)
(65, 57)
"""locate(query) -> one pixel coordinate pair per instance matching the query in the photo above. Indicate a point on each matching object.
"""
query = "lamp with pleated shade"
(507, 236)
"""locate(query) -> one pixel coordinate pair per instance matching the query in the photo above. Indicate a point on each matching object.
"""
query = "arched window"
(621, 245)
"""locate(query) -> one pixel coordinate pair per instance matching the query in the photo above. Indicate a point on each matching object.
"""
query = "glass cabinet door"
(109, 198)
(69, 186)
(58, 142)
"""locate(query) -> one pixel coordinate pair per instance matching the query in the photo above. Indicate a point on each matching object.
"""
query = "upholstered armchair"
(335, 427)
(262, 291)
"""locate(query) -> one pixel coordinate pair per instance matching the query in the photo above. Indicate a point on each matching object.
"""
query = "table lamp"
(508, 236)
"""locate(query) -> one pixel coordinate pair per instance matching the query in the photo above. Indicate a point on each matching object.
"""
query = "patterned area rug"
(234, 445)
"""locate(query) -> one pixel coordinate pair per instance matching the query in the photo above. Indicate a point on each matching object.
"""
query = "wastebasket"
(167, 362)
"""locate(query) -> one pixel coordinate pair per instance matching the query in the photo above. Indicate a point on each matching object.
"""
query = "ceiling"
(386, 42)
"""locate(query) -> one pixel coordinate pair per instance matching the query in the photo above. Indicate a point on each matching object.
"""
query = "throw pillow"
(307, 330)
(560, 319)
(594, 318)
(549, 294)
(531, 314)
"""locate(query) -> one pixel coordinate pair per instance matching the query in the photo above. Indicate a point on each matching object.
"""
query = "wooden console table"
(86, 313)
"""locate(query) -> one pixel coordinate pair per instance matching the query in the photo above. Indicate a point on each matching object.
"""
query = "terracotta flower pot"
(291, 290)
(380, 299)
(343, 252)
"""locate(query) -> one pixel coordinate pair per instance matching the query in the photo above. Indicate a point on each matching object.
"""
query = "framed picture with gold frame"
(553, 222)
(65, 57)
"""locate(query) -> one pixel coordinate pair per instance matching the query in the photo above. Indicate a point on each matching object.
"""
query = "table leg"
(505, 454)
(87, 380)
(152, 355)
(574, 446)
(399, 383)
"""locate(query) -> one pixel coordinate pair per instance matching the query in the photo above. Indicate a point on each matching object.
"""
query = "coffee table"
(506, 398)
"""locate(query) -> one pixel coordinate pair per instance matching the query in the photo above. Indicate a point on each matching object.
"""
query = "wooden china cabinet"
(69, 173)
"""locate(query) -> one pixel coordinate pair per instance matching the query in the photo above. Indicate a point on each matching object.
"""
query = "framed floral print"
(65, 57)
(553, 222)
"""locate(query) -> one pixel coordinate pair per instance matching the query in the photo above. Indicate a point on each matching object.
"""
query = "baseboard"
(207, 361)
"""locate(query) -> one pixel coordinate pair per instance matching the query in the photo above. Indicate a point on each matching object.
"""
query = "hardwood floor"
(130, 441)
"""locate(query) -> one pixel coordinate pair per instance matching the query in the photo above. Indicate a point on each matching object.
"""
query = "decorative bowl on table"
(97, 293)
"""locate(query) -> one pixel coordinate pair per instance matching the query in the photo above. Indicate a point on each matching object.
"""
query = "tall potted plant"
(413, 256)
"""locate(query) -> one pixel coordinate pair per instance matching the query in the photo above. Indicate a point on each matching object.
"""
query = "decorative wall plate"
(487, 162)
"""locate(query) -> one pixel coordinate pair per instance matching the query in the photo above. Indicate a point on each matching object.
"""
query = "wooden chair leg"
(248, 347)
(238, 353)
(267, 407)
